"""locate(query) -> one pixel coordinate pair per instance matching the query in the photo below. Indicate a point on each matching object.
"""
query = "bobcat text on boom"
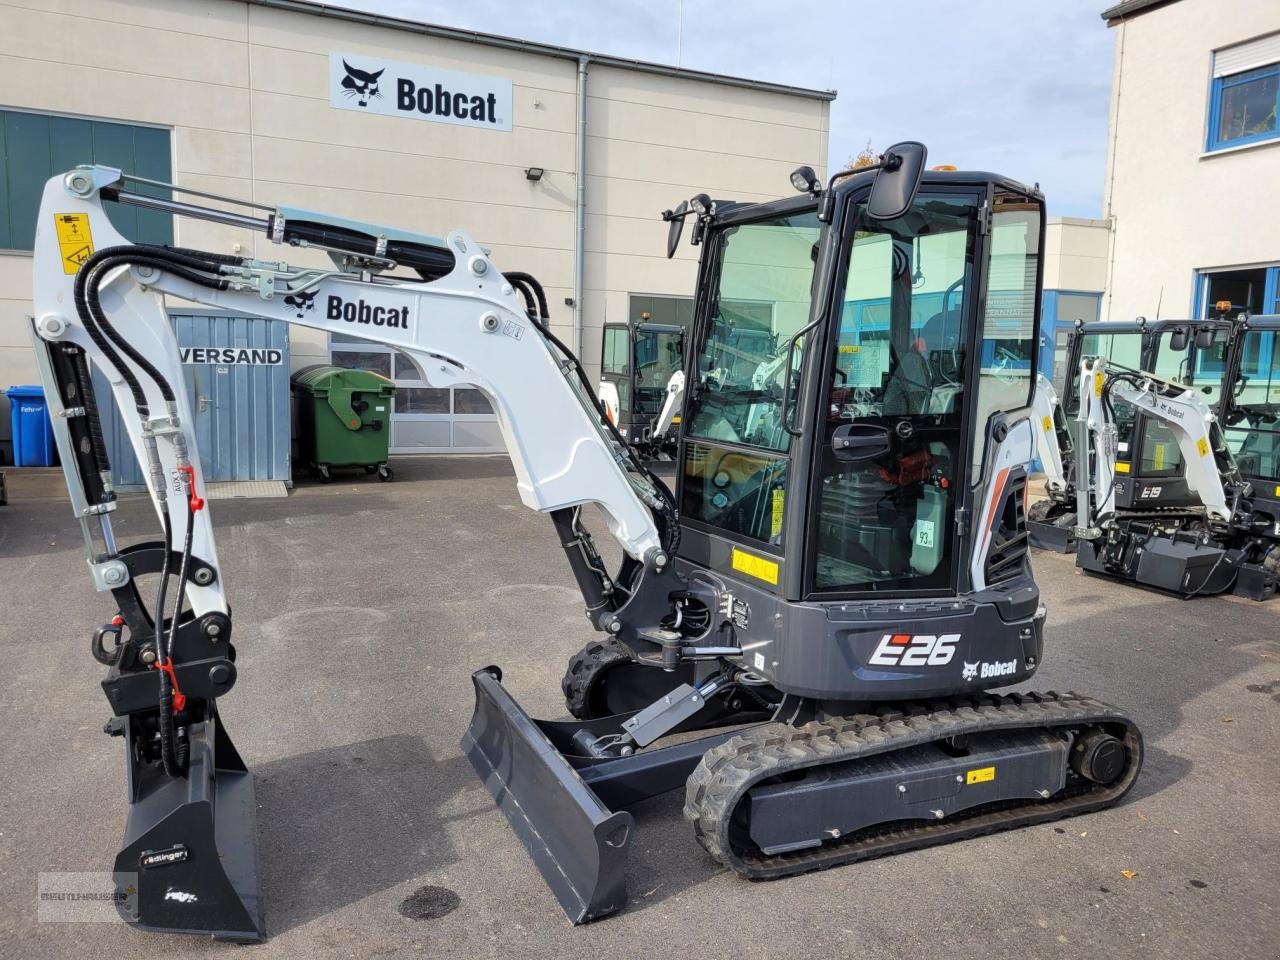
(360, 312)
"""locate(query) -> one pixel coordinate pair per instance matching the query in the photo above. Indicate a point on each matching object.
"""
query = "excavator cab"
(637, 361)
(1249, 402)
(836, 454)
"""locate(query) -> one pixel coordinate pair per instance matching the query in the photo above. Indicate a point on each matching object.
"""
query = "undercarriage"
(802, 790)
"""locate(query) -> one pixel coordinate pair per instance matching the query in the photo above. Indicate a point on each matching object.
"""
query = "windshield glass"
(658, 354)
(1253, 420)
(1125, 348)
(762, 300)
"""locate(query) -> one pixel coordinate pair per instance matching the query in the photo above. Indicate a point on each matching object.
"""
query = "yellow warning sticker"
(1121, 467)
(1097, 384)
(1048, 424)
(753, 566)
(1157, 457)
(1278, 489)
(850, 348)
(1202, 446)
(75, 241)
(675, 419)
(775, 519)
(981, 775)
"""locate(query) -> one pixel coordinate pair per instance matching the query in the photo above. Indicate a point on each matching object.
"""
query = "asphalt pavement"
(361, 610)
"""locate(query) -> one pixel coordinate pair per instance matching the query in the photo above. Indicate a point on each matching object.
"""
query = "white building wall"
(1076, 254)
(244, 89)
(1174, 208)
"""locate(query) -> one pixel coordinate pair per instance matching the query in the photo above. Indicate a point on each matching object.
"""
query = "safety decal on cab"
(75, 240)
(1202, 447)
(754, 566)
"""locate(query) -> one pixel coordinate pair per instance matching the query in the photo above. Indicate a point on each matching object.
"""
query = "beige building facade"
(263, 100)
(1194, 157)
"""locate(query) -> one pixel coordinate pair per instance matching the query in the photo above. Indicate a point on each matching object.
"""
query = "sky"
(1018, 88)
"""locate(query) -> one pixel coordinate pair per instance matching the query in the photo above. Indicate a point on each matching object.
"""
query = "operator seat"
(910, 385)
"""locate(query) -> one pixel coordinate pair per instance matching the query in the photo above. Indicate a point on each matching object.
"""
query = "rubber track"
(584, 668)
(728, 771)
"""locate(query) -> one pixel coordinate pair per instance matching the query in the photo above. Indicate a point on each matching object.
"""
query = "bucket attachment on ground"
(190, 845)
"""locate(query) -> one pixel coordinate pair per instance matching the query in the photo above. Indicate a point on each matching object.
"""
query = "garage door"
(425, 419)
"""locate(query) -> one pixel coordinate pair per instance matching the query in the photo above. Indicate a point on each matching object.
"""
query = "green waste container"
(344, 419)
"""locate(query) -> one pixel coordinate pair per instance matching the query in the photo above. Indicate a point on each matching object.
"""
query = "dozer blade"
(578, 844)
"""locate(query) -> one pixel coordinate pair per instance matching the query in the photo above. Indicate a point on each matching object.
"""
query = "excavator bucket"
(577, 843)
(189, 856)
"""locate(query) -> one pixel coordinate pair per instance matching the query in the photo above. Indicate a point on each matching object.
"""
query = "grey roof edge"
(317, 8)
(1130, 8)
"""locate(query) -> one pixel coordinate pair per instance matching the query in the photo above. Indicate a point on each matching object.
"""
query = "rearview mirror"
(1204, 339)
(1178, 340)
(676, 219)
(897, 181)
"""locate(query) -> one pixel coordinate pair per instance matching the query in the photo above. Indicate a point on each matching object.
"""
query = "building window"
(1245, 93)
(35, 146)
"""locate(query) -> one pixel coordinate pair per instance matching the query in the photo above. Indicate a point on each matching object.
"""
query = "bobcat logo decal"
(361, 84)
(303, 302)
(970, 671)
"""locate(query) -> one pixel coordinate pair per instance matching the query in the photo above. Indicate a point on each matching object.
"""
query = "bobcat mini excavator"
(822, 607)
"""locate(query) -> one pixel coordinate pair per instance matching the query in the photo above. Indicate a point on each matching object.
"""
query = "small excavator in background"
(827, 599)
(642, 382)
(1154, 515)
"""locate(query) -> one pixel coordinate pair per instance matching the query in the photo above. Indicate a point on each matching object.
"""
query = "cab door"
(889, 458)
(615, 374)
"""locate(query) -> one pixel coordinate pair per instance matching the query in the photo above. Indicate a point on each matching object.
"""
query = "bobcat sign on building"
(560, 161)
(394, 89)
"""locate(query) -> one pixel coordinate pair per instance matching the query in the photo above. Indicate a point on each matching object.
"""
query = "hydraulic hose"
(89, 305)
(172, 756)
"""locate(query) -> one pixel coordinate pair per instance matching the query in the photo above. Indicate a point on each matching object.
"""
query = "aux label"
(370, 84)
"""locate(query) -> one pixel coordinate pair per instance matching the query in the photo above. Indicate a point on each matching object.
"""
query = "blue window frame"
(1243, 108)
(1270, 291)
(35, 146)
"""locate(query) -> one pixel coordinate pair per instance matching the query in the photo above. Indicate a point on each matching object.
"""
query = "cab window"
(735, 468)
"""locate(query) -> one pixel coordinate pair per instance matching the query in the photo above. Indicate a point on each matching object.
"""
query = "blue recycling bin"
(32, 432)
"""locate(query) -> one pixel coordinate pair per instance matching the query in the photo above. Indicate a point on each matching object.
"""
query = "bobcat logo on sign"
(419, 91)
(362, 85)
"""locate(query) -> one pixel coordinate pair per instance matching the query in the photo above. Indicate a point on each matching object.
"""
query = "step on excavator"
(822, 608)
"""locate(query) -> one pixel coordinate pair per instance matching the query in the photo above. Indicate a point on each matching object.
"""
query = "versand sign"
(225, 356)
(390, 88)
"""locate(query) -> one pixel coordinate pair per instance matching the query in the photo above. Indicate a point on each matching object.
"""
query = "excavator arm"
(189, 852)
(1211, 471)
(1046, 409)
